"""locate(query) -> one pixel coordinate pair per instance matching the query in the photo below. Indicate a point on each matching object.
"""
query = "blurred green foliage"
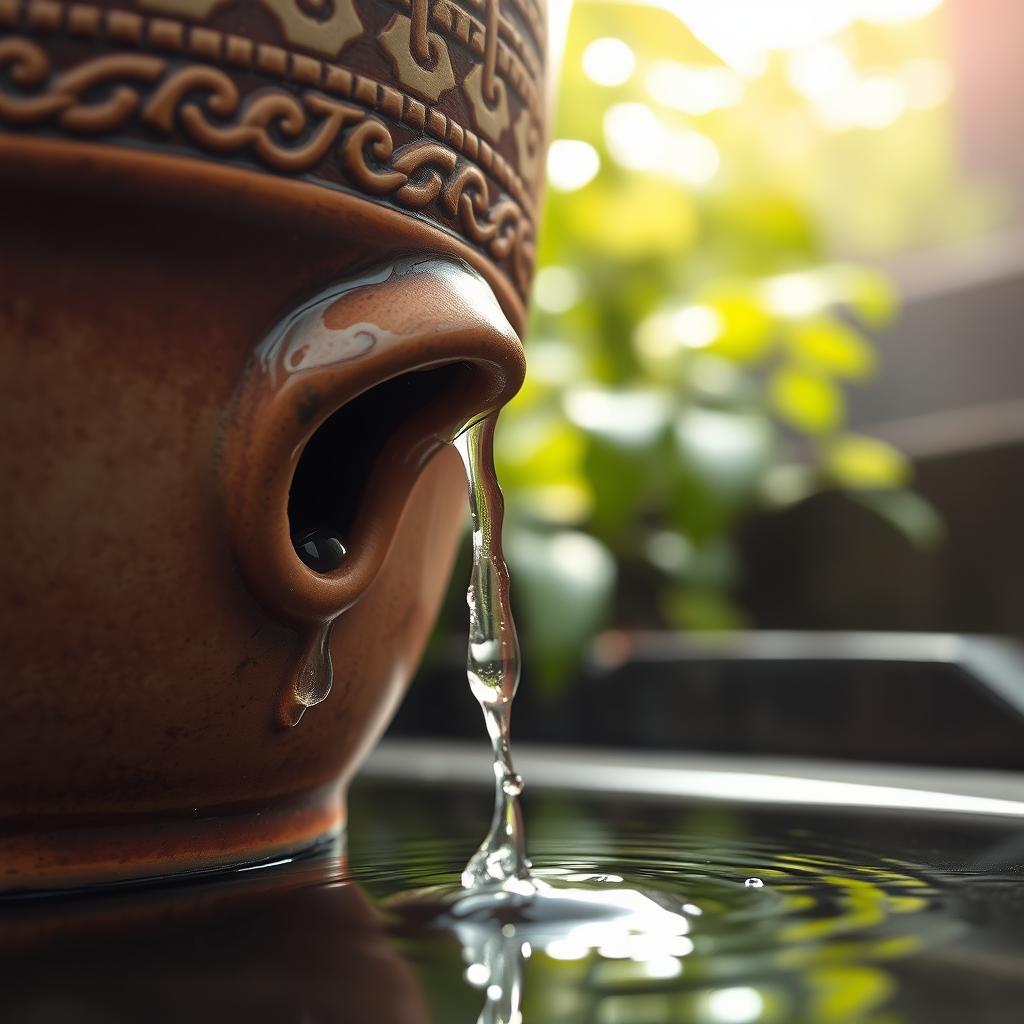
(693, 337)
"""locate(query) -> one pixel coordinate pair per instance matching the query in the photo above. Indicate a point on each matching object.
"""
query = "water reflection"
(496, 965)
(825, 938)
(677, 933)
(640, 922)
(564, 915)
(292, 944)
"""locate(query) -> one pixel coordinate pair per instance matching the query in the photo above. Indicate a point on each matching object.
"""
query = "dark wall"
(831, 564)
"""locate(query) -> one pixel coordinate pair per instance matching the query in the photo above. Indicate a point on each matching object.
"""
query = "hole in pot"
(338, 461)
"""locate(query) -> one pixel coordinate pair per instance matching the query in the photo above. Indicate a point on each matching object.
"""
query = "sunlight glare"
(608, 61)
(696, 326)
(556, 289)
(572, 163)
(739, 1005)
(693, 90)
(639, 141)
(928, 82)
(633, 135)
(795, 295)
(741, 33)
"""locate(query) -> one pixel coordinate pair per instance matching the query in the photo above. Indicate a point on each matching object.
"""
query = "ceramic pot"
(259, 261)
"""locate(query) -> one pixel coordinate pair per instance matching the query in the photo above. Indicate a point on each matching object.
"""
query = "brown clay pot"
(259, 261)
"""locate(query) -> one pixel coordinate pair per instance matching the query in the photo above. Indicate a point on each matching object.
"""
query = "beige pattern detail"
(198, 10)
(507, 31)
(323, 26)
(529, 145)
(486, 92)
(535, 18)
(490, 120)
(430, 75)
(520, 72)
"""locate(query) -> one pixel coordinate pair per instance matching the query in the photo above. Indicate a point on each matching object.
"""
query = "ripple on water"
(805, 900)
(678, 915)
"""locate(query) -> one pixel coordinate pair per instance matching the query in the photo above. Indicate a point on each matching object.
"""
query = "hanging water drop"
(321, 549)
(313, 677)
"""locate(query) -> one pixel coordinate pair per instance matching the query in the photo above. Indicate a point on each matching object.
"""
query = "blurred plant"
(692, 338)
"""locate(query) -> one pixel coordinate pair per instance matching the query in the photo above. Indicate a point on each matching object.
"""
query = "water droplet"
(478, 974)
(321, 549)
(313, 677)
(754, 883)
(512, 785)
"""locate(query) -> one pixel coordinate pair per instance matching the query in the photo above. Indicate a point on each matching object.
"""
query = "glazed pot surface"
(186, 186)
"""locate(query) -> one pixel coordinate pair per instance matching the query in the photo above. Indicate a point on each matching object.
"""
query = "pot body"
(224, 229)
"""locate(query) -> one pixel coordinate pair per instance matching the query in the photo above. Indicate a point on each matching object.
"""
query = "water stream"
(504, 910)
(492, 663)
(663, 927)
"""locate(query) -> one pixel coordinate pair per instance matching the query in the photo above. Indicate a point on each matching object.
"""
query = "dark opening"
(339, 458)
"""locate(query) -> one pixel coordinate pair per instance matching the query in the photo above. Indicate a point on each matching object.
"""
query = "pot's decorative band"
(434, 107)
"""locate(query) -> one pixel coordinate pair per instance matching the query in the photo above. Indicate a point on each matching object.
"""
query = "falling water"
(635, 926)
(492, 662)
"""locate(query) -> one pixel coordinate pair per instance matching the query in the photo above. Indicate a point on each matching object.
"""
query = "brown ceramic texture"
(228, 227)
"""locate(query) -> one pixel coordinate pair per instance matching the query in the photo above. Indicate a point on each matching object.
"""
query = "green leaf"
(563, 582)
(806, 400)
(866, 291)
(720, 458)
(831, 347)
(628, 418)
(726, 451)
(696, 609)
(787, 484)
(865, 463)
(746, 334)
(909, 513)
(639, 217)
(538, 448)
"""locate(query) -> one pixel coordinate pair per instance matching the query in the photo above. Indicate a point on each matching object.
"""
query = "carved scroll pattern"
(288, 133)
(421, 172)
(102, 94)
(422, 62)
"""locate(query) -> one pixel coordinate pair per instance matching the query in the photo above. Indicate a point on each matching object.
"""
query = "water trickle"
(492, 662)
(635, 928)
(323, 551)
(503, 910)
(313, 676)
